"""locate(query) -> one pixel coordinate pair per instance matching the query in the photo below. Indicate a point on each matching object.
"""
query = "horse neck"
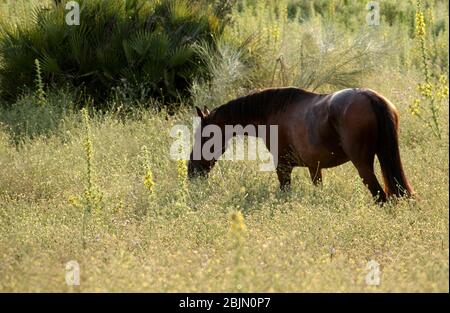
(244, 120)
(249, 125)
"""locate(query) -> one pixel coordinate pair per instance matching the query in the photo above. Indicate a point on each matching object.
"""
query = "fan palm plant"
(135, 40)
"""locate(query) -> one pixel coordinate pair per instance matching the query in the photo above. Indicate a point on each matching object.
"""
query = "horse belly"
(334, 158)
(309, 139)
(322, 157)
(316, 148)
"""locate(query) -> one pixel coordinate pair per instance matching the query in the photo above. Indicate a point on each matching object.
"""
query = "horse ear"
(200, 113)
(205, 110)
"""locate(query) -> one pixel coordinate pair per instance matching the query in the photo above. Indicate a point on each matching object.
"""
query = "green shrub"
(27, 119)
(137, 41)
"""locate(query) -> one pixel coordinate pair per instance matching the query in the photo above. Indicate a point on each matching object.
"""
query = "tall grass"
(287, 238)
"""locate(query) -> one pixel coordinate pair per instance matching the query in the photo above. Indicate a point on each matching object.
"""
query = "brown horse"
(319, 131)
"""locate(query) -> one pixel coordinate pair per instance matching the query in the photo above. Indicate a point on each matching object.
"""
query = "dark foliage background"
(149, 45)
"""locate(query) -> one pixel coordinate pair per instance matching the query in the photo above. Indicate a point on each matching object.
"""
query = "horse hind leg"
(362, 156)
(369, 178)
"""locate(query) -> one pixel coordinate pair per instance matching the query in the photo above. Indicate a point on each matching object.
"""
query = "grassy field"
(181, 236)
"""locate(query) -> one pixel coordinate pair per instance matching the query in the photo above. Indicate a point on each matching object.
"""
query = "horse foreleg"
(316, 175)
(284, 176)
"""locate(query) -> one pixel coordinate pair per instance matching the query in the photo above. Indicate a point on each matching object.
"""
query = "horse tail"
(388, 152)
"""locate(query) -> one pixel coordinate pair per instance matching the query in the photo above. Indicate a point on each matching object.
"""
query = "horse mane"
(259, 103)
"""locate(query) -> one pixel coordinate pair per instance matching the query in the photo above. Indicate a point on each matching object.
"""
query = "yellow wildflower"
(237, 223)
(420, 24)
(148, 180)
(414, 107)
(182, 170)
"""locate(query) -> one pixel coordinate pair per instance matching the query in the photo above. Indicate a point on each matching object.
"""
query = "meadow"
(98, 186)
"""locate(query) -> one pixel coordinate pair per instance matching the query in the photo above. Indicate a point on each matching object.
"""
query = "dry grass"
(314, 239)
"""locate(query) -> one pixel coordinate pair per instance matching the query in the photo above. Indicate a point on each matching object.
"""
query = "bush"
(137, 41)
(317, 54)
(28, 119)
(229, 75)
